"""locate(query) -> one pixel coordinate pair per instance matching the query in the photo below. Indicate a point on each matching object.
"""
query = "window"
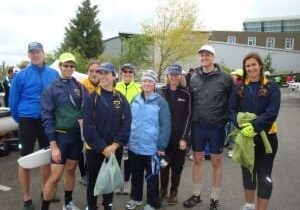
(252, 41)
(231, 39)
(270, 42)
(289, 43)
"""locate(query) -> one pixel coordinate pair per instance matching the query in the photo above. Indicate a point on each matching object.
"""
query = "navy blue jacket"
(265, 107)
(62, 105)
(106, 121)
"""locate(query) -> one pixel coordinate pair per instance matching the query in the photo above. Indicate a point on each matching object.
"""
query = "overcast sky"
(44, 20)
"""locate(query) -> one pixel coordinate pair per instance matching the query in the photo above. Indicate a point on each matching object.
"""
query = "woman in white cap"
(149, 137)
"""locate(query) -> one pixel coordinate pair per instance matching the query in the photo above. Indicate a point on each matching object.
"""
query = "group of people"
(146, 124)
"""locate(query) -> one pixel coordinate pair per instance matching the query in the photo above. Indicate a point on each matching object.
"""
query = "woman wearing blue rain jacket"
(149, 137)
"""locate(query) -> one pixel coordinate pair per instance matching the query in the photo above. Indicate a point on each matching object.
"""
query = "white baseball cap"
(207, 48)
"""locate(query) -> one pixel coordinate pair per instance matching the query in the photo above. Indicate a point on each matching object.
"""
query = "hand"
(161, 153)
(182, 144)
(107, 151)
(56, 155)
(80, 122)
(114, 146)
(248, 130)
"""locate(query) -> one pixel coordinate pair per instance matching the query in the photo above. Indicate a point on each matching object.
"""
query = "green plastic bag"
(109, 177)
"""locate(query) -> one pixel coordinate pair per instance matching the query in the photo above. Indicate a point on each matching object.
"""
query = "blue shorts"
(213, 134)
(70, 145)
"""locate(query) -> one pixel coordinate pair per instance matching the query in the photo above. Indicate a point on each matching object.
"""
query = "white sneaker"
(126, 188)
(70, 206)
(248, 207)
(149, 207)
(132, 204)
(230, 153)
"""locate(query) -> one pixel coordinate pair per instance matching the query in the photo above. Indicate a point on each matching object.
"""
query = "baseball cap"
(174, 69)
(128, 65)
(35, 46)
(207, 48)
(109, 67)
(149, 75)
(238, 72)
(67, 57)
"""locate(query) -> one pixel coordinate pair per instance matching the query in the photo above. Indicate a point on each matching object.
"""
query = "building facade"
(274, 24)
(273, 40)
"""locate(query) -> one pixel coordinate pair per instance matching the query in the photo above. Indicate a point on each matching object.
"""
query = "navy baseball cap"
(174, 69)
(35, 46)
(128, 65)
(109, 67)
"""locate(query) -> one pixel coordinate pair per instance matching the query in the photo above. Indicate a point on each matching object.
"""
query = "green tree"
(83, 33)
(136, 50)
(268, 63)
(173, 33)
(49, 58)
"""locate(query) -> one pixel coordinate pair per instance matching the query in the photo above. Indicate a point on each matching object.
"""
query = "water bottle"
(125, 152)
(163, 162)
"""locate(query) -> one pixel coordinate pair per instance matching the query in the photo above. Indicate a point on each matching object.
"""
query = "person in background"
(106, 127)
(237, 77)
(256, 94)
(179, 101)
(90, 83)
(210, 88)
(188, 76)
(129, 88)
(62, 105)
(24, 102)
(7, 83)
(149, 137)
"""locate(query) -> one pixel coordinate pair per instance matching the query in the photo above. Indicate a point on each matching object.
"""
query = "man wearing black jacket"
(210, 89)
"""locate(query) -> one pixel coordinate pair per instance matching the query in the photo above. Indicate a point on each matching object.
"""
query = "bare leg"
(51, 184)
(249, 196)
(262, 204)
(198, 167)
(45, 173)
(69, 174)
(24, 178)
(216, 160)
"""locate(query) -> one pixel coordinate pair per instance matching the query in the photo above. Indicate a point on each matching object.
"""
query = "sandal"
(192, 201)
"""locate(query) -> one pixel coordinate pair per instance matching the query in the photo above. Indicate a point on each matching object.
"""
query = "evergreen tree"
(83, 34)
(268, 63)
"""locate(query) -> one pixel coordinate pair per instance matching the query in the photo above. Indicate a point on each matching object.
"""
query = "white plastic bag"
(109, 177)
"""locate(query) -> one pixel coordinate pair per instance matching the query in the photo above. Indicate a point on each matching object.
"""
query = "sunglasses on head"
(68, 66)
(127, 71)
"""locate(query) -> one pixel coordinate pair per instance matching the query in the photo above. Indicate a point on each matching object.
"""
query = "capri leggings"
(262, 168)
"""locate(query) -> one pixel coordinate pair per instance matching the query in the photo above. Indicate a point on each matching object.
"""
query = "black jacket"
(180, 108)
(210, 95)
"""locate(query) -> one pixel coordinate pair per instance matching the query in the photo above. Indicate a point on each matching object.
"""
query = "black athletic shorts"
(31, 130)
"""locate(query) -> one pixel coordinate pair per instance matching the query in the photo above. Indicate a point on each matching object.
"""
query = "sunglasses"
(93, 70)
(128, 71)
(68, 66)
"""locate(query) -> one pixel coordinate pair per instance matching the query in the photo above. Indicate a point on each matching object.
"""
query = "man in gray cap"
(210, 88)
(24, 101)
